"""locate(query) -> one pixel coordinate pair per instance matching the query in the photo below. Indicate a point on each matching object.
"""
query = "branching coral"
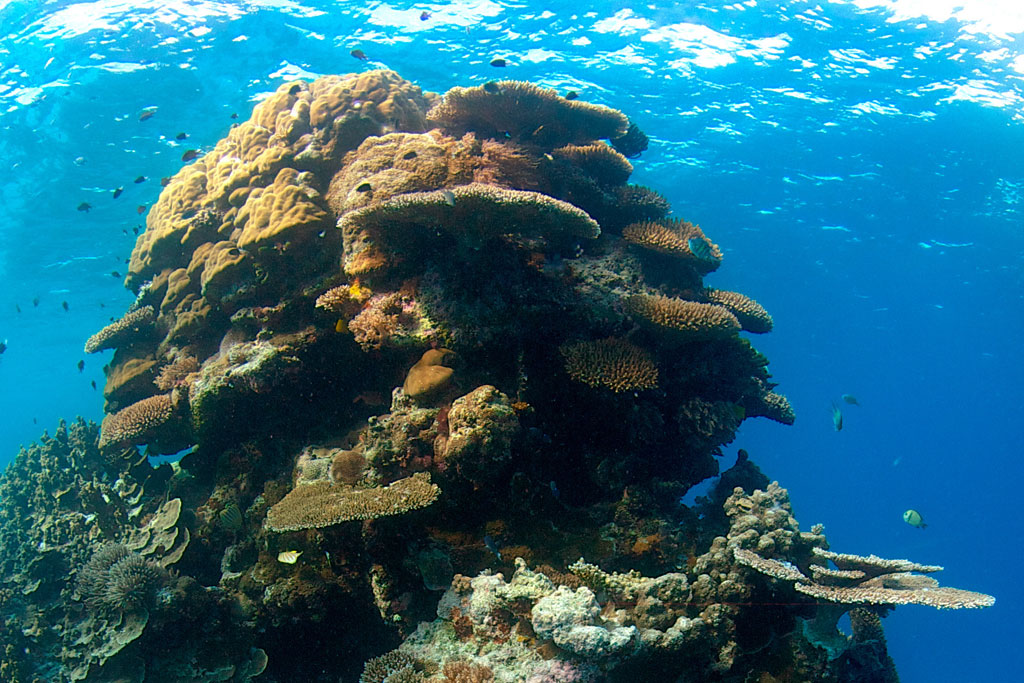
(752, 316)
(321, 504)
(137, 422)
(610, 364)
(120, 332)
(683, 320)
(386, 667)
(526, 113)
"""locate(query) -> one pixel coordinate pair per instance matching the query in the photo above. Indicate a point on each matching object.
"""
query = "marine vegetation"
(440, 377)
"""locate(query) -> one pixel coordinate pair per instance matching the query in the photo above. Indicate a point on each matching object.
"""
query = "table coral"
(122, 331)
(611, 364)
(683, 320)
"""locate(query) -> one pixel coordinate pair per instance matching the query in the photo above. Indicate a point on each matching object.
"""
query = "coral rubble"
(414, 344)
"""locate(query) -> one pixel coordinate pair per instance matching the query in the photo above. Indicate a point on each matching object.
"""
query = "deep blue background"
(833, 153)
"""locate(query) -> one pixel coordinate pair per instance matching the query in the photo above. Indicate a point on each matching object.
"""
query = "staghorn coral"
(320, 504)
(382, 235)
(610, 364)
(525, 113)
(137, 422)
(752, 316)
(682, 320)
(386, 667)
(121, 332)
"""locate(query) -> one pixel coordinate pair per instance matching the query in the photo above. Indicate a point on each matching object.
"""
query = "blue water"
(858, 162)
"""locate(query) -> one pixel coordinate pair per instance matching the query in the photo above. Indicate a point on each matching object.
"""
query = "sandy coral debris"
(687, 320)
(610, 363)
(752, 315)
(525, 112)
(321, 504)
(138, 421)
(120, 332)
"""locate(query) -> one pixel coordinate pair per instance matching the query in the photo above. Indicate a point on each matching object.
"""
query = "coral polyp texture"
(437, 378)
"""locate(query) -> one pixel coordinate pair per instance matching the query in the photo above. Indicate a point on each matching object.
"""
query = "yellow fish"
(913, 518)
(289, 556)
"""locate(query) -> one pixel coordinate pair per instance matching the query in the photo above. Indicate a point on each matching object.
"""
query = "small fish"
(234, 115)
(492, 546)
(190, 154)
(181, 136)
(411, 154)
(851, 399)
(554, 490)
(231, 519)
(81, 365)
(93, 383)
(165, 181)
(115, 273)
(340, 327)
(424, 15)
(913, 518)
(837, 418)
(35, 421)
(84, 206)
(701, 249)
(289, 556)
(140, 209)
(79, 161)
(571, 95)
(17, 307)
(35, 301)
(498, 63)
(147, 114)
(141, 179)
(64, 305)
(359, 54)
(117, 192)
(365, 187)
(449, 197)
(3, 346)
(135, 229)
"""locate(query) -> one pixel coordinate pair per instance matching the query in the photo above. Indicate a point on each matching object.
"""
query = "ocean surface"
(858, 161)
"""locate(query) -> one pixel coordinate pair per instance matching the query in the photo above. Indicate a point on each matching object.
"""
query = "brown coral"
(175, 373)
(525, 113)
(599, 161)
(461, 671)
(673, 237)
(383, 234)
(320, 504)
(279, 213)
(752, 315)
(137, 422)
(120, 332)
(683, 320)
(610, 364)
(347, 467)
(431, 374)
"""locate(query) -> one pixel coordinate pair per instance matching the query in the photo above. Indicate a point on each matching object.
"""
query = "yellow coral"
(752, 315)
(683, 320)
(279, 213)
(673, 237)
(320, 504)
(610, 364)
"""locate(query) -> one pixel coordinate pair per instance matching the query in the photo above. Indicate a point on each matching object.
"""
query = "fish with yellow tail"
(289, 556)
(914, 519)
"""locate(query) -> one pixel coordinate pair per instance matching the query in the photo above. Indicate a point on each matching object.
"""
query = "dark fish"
(424, 15)
(117, 192)
(365, 187)
(135, 229)
(234, 115)
(35, 301)
(84, 206)
(81, 365)
(17, 308)
(147, 114)
(190, 154)
(492, 87)
(64, 305)
(125, 231)
(295, 89)
(102, 305)
(165, 181)
(140, 209)
(3, 346)
(181, 136)
(93, 383)
(141, 179)
(114, 273)
(359, 54)
(411, 154)
(571, 95)
(499, 62)
(35, 421)
(837, 418)
(701, 249)
(492, 546)
(851, 399)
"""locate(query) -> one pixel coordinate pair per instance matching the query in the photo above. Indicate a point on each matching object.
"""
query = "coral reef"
(409, 345)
